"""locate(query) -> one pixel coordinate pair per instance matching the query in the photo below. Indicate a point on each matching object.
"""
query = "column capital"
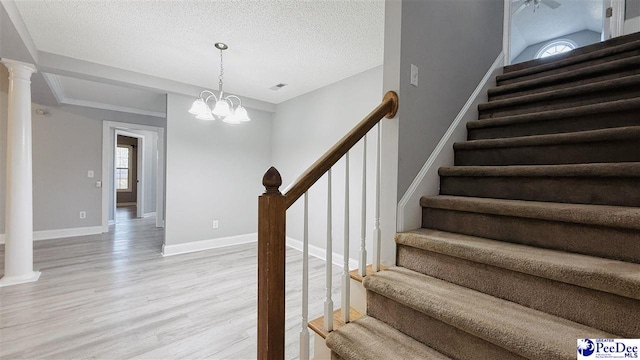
(19, 69)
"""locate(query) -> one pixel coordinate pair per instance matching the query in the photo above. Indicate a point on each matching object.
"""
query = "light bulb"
(206, 115)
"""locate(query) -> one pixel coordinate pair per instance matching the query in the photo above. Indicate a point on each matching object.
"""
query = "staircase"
(534, 240)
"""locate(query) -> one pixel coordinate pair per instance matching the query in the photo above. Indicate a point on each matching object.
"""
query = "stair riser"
(556, 126)
(438, 335)
(577, 153)
(608, 312)
(606, 242)
(583, 79)
(593, 190)
(555, 103)
(564, 69)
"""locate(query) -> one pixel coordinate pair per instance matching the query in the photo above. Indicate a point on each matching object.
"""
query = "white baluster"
(363, 229)
(376, 222)
(346, 298)
(328, 302)
(304, 328)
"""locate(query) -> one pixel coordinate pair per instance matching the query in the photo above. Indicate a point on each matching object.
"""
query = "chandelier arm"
(233, 96)
(205, 92)
(206, 101)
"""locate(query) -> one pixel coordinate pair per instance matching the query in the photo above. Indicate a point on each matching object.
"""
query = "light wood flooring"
(113, 296)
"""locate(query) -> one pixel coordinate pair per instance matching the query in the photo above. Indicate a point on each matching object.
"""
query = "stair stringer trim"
(427, 182)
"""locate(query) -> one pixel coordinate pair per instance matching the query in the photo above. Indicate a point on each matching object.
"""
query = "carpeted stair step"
(596, 292)
(603, 91)
(620, 47)
(597, 230)
(587, 74)
(605, 115)
(424, 304)
(593, 146)
(370, 339)
(600, 184)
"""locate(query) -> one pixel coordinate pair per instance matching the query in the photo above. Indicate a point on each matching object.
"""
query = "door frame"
(140, 175)
(108, 164)
(617, 21)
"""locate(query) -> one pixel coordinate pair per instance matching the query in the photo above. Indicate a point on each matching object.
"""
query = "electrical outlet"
(414, 75)
(90, 173)
(216, 224)
(83, 214)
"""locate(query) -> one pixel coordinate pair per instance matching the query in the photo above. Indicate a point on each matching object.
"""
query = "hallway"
(114, 296)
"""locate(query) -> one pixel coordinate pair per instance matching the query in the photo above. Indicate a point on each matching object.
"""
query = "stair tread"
(317, 324)
(598, 108)
(577, 56)
(626, 169)
(612, 276)
(565, 76)
(369, 338)
(522, 330)
(597, 215)
(595, 87)
(618, 133)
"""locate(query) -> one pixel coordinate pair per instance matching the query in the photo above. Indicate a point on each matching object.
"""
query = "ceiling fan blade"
(551, 3)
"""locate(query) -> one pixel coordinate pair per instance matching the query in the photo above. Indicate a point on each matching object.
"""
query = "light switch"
(98, 184)
(90, 173)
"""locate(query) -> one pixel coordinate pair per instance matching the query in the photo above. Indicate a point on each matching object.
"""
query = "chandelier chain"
(221, 73)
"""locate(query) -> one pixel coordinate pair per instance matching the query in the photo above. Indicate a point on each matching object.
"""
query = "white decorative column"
(18, 264)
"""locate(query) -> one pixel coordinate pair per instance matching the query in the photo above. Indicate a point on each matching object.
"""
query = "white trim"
(320, 253)
(53, 80)
(61, 233)
(427, 182)
(193, 246)
(103, 106)
(148, 215)
(506, 33)
(18, 22)
(112, 222)
(16, 280)
(56, 86)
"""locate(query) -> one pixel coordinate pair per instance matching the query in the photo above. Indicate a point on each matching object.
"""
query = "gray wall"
(632, 9)
(65, 147)
(453, 43)
(306, 127)
(214, 171)
(581, 38)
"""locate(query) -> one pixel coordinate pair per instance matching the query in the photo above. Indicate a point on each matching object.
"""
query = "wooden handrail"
(272, 211)
(388, 108)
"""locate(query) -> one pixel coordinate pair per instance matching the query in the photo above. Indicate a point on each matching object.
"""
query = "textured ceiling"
(305, 44)
(544, 24)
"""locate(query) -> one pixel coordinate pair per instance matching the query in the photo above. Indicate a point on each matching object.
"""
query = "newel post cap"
(272, 181)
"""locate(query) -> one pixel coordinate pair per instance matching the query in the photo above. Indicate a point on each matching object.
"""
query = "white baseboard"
(193, 246)
(148, 215)
(427, 182)
(320, 253)
(112, 222)
(61, 233)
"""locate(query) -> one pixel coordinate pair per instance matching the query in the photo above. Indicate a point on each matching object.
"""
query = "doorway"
(130, 178)
(541, 28)
(133, 173)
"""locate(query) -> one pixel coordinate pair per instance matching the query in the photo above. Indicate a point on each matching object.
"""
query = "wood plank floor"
(113, 296)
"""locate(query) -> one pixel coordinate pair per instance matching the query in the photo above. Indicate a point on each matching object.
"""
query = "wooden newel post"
(271, 261)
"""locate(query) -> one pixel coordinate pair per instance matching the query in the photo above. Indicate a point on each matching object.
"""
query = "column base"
(15, 280)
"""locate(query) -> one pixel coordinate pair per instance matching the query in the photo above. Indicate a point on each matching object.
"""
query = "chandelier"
(223, 106)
